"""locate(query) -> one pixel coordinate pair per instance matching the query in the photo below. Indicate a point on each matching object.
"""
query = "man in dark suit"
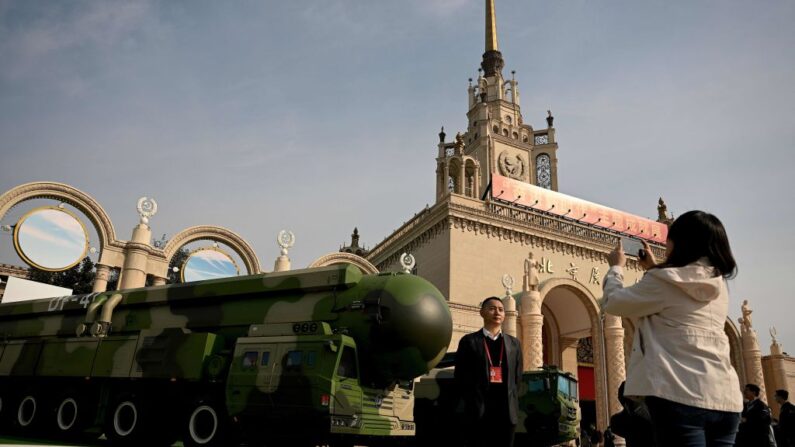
(786, 420)
(754, 428)
(488, 371)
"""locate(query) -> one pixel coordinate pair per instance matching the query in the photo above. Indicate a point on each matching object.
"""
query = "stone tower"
(497, 141)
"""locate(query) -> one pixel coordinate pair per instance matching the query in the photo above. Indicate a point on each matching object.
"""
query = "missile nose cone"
(429, 325)
(410, 330)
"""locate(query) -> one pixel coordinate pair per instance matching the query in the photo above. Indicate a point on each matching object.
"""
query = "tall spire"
(492, 59)
(491, 27)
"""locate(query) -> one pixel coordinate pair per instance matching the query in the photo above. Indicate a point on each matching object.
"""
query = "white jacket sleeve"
(642, 299)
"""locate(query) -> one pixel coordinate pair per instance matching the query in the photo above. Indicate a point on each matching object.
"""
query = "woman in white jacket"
(680, 354)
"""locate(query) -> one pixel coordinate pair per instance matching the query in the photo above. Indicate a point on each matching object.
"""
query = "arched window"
(543, 171)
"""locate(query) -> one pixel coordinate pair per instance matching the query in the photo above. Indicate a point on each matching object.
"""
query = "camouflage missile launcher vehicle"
(548, 407)
(316, 356)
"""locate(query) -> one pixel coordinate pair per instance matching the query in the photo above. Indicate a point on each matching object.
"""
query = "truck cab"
(304, 380)
(550, 405)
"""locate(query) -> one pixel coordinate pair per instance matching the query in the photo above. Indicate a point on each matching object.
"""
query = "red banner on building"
(530, 196)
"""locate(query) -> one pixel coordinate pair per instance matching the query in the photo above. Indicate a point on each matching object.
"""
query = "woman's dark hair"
(695, 235)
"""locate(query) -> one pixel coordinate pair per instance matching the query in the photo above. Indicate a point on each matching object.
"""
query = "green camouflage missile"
(193, 340)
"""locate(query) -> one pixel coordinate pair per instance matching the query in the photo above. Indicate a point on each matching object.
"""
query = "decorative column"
(158, 281)
(752, 355)
(285, 239)
(531, 318)
(476, 187)
(101, 278)
(778, 366)
(133, 272)
(600, 375)
(776, 371)
(462, 177)
(616, 370)
(509, 302)
(446, 179)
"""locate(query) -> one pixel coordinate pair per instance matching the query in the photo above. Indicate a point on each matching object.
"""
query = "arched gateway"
(345, 258)
(572, 325)
(66, 194)
(218, 234)
(136, 258)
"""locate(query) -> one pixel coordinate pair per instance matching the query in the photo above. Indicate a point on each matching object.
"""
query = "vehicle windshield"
(567, 386)
(563, 385)
(535, 385)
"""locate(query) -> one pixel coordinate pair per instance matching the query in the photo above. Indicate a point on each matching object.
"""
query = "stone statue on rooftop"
(459, 143)
(530, 273)
(745, 320)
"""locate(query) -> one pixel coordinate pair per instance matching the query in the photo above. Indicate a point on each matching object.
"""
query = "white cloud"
(37, 235)
(30, 49)
(64, 224)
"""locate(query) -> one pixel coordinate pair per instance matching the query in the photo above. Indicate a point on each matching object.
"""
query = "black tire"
(131, 421)
(28, 413)
(206, 424)
(72, 415)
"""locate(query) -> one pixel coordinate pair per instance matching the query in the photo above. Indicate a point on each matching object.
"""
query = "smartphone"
(632, 246)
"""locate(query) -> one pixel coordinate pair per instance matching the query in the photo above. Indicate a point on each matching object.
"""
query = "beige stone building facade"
(472, 237)
(778, 370)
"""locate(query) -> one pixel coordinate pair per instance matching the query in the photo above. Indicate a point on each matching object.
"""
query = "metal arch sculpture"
(215, 233)
(345, 258)
(66, 194)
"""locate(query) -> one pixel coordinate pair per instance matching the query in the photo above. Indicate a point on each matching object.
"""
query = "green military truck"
(306, 357)
(548, 406)
(551, 408)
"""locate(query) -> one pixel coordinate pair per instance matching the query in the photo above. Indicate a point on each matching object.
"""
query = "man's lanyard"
(495, 372)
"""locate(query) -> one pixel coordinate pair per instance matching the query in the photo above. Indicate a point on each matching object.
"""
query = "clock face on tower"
(543, 171)
(449, 151)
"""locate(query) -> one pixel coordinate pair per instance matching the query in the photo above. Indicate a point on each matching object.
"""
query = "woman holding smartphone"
(680, 362)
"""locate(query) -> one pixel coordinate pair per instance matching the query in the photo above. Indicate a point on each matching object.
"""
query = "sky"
(52, 238)
(320, 115)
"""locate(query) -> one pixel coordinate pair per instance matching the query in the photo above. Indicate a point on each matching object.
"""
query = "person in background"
(594, 435)
(786, 420)
(680, 363)
(488, 371)
(755, 422)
